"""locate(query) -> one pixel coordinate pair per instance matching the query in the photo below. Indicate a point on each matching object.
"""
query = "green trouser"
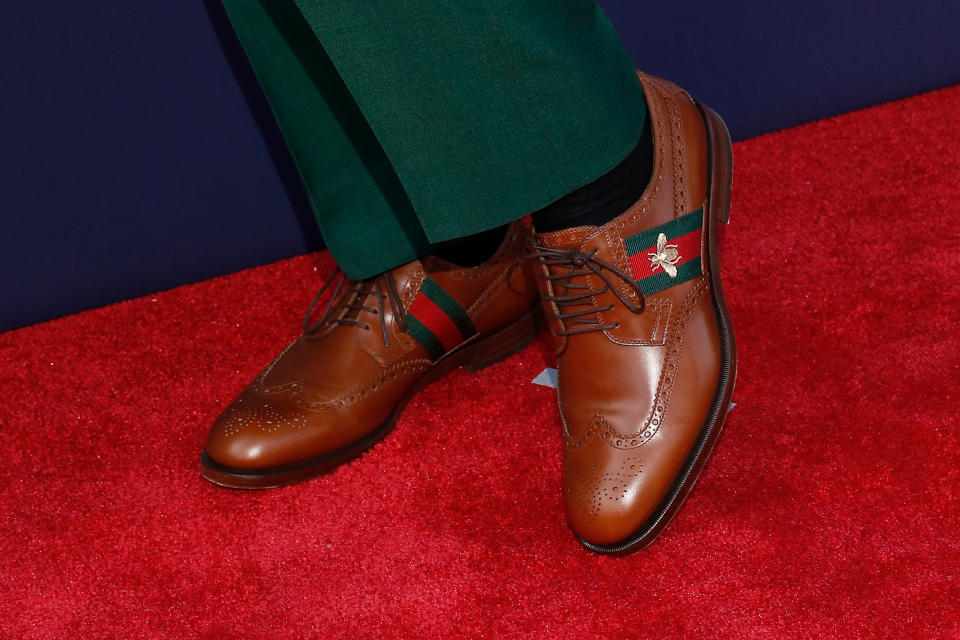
(418, 121)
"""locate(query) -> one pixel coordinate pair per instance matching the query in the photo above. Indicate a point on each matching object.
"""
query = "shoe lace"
(352, 302)
(579, 294)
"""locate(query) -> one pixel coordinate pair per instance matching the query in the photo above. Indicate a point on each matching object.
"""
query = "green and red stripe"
(437, 321)
(684, 232)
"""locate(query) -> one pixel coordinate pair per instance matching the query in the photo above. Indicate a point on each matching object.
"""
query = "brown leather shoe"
(645, 349)
(338, 388)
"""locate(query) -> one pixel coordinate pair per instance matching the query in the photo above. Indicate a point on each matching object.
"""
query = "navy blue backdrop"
(138, 154)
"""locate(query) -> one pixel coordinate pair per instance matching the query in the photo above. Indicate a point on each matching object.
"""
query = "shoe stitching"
(389, 374)
(636, 213)
(412, 286)
(705, 233)
(257, 384)
(679, 157)
(616, 246)
(408, 292)
(662, 307)
(554, 324)
(504, 276)
(490, 290)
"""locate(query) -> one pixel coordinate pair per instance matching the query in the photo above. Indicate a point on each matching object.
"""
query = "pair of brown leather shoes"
(644, 345)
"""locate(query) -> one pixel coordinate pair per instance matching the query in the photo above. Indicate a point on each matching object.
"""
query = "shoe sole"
(720, 178)
(474, 356)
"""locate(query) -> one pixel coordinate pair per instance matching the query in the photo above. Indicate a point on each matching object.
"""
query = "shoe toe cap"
(609, 495)
(255, 434)
(606, 512)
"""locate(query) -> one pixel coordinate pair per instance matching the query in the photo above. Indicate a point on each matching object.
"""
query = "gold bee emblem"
(665, 257)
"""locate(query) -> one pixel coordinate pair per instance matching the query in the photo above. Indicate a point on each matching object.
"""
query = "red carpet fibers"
(829, 510)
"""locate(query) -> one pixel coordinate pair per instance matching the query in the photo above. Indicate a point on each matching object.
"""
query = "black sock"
(472, 250)
(606, 197)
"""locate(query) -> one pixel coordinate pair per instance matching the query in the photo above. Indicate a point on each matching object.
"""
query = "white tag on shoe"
(547, 378)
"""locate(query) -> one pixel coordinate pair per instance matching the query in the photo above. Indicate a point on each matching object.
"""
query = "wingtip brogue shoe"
(339, 387)
(645, 349)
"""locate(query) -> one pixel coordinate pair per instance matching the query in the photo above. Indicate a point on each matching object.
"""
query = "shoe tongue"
(404, 279)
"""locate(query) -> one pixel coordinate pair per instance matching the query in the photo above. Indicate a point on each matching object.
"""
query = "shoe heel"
(502, 344)
(721, 164)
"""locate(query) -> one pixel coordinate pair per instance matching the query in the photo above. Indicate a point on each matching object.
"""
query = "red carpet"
(829, 510)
